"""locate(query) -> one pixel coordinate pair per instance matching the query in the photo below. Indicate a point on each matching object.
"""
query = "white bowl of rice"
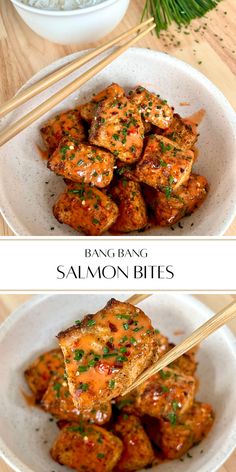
(71, 21)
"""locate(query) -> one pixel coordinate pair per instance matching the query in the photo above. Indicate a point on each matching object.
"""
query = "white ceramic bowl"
(32, 329)
(78, 26)
(28, 189)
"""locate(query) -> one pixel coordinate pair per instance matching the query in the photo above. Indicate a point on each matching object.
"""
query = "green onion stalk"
(181, 12)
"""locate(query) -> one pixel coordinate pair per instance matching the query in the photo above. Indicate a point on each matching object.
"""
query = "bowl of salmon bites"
(145, 147)
(63, 406)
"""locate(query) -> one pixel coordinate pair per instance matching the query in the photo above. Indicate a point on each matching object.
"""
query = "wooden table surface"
(208, 45)
(8, 303)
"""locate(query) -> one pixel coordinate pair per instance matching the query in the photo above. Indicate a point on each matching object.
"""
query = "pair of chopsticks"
(201, 333)
(141, 30)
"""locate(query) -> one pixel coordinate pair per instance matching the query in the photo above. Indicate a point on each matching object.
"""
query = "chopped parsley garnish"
(105, 350)
(91, 323)
(123, 317)
(78, 354)
(171, 179)
(112, 384)
(77, 429)
(57, 388)
(165, 148)
(137, 329)
(123, 349)
(110, 354)
(175, 405)
(163, 163)
(172, 418)
(84, 387)
(80, 162)
(100, 455)
(64, 149)
(168, 192)
(133, 340)
(165, 375)
(78, 322)
(125, 326)
(121, 359)
(83, 368)
(95, 221)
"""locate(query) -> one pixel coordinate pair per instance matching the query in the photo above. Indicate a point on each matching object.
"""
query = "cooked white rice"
(61, 4)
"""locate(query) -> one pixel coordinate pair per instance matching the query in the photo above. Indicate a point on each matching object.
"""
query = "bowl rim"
(19, 229)
(62, 13)
(5, 452)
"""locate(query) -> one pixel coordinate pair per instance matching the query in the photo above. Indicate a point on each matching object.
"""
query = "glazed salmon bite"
(106, 352)
(57, 400)
(164, 166)
(118, 127)
(88, 110)
(67, 123)
(82, 163)
(153, 109)
(87, 208)
(87, 448)
(38, 374)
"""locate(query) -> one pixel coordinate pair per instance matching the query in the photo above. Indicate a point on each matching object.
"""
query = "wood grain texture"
(208, 44)
(8, 303)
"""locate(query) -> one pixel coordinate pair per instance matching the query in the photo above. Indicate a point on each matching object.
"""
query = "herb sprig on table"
(181, 12)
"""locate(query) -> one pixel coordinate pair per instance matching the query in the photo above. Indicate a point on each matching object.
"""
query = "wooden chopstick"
(214, 323)
(137, 298)
(64, 71)
(58, 97)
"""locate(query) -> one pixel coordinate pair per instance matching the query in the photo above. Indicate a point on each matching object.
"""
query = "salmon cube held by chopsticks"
(106, 352)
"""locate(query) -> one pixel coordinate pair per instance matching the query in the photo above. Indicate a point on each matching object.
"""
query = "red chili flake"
(113, 327)
(103, 367)
(110, 345)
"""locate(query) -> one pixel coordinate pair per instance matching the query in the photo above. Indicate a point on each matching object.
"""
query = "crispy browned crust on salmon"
(132, 208)
(163, 165)
(82, 163)
(39, 373)
(88, 109)
(57, 401)
(87, 448)
(183, 133)
(168, 209)
(167, 394)
(118, 127)
(86, 209)
(137, 453)
(176, 439)
(67, 123)
(154, 110)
